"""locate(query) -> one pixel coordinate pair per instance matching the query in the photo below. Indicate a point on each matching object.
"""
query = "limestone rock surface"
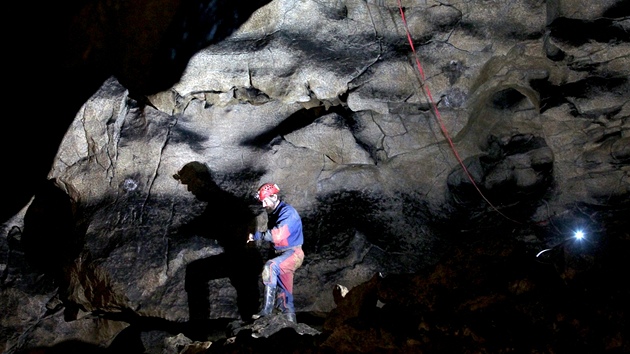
(439, 184)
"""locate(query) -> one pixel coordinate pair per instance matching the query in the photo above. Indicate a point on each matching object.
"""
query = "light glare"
(579, 234)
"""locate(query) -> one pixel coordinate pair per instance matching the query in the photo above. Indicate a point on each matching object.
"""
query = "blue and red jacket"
(284, 228)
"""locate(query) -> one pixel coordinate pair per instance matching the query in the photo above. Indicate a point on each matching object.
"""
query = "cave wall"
(517, 125)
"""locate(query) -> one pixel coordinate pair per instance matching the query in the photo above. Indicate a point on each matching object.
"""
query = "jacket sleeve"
(266, 235)
(279, 234)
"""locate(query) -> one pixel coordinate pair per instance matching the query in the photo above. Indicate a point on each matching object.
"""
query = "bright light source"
(579, 234)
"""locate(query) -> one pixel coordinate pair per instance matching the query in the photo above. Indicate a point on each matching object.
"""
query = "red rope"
(439, 116)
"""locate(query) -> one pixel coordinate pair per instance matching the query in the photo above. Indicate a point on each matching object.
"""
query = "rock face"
(433, 151)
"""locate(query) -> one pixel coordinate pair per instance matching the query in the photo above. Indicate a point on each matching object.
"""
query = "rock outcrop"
(429, 178)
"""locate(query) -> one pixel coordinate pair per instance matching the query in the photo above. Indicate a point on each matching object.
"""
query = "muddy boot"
(290, 316)
(269, 298)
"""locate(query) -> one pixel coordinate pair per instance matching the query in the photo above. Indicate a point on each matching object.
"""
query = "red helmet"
(266, 190)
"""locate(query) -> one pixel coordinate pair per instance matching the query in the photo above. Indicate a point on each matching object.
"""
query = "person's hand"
(250, 238)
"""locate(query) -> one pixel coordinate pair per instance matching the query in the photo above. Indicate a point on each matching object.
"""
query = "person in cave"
(284, 230)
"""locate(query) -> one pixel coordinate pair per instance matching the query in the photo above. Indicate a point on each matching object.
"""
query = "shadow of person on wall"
(228, 220)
